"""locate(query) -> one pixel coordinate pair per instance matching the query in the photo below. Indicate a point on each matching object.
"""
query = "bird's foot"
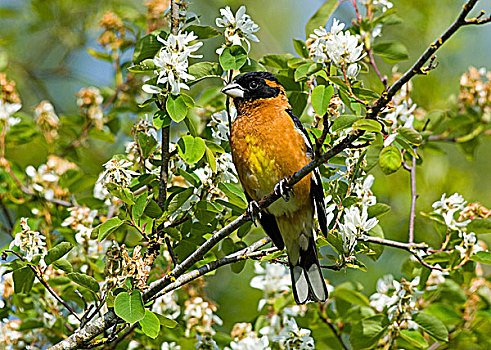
(282, 189)
(252, 211)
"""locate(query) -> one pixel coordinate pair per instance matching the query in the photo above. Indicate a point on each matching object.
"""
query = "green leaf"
(100, 55)
(147, 143)
(210, 159)
(161, 119)
(482, 257)
(321, 95)
(57, 252)
(412, 136)
(107, 227)
(366, 333)
(23, 280)
(129, 306)
(139, 206)
(166, 322)
(390, 159)
(233, 57)
(391, 52)
(176, 107)
(276, 61)
(301, 48)
(305, 70)
(202, 70)
(203, 32)
(414, 338)
(83, 280)
(63, 264)
(150, 324)
(179, 199)
(480, 225)
(148, 46)
(320, 17)
(351, 296)
(376, 231)
(431, 325)
(343, 122)
(191, 149)
(378, 209)
(368, 125)
(298, 101)
(144, 66)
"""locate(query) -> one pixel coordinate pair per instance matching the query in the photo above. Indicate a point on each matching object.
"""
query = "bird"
(269, 144)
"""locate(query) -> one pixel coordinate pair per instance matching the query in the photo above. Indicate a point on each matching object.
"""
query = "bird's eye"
(253, 85)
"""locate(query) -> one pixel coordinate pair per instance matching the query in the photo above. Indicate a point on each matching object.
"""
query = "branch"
(96, 327)
(417, 67)
(410, 247)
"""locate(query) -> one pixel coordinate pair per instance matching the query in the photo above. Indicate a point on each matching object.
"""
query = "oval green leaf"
(191, 149)
(150, 324)
(390, 159)
(431, 325)
(368, 125)
(176, 107)
(83, 280)
(57, 252)
(321, 95)
(129, 306)
(233, 57)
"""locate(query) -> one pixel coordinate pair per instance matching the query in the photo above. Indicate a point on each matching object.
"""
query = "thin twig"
(414, 196)
(41, 279)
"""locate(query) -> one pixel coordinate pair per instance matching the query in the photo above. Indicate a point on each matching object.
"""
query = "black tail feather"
(307, 281)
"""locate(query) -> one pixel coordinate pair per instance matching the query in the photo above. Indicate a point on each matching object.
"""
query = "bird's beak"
(233, 90)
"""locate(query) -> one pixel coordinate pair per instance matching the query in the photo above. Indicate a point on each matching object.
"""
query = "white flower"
(364, 193)
(205, 342)
(336, 46)
(172, 62)
(383, 4)
(448, 207)
(117, 172)
(167, 305)
(251, 342)
(226, 168)
(6, 111)
(29, 242)
(273, 279)
(292, 337)
(170, 346)
(353, 70)
(238, 28)
(219, 125)
(200, 314)
(470, 245)
(355, 224)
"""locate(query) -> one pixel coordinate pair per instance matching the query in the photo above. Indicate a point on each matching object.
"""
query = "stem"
(375, 68)
(414, 196)
(41, 279)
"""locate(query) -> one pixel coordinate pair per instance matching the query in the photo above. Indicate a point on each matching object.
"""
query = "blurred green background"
(43, 48)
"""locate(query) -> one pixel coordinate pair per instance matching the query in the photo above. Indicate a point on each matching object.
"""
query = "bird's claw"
(282, 189)
(252, 211)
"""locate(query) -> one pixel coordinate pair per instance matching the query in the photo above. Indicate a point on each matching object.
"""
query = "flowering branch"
(178, 276)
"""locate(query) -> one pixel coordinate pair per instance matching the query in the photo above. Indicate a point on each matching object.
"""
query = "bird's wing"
(268, 223)
(316, 189)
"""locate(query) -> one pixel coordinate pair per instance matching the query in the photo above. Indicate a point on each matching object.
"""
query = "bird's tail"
(307, 280)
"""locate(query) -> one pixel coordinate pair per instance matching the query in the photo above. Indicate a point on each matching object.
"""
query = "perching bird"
(269, 144)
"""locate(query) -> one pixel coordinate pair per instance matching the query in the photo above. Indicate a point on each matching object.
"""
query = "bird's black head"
(253, 86)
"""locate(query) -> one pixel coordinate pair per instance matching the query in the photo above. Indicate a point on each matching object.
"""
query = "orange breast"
(266, 148)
